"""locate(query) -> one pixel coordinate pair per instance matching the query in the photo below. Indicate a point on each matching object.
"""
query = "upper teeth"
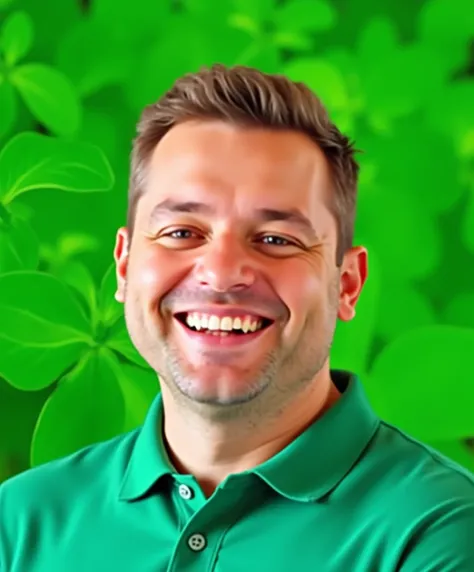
(227, 323)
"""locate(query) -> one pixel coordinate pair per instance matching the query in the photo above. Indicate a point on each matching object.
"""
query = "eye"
(181, 233)
(276, 240)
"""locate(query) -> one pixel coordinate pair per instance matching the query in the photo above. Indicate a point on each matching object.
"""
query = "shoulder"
(85, 473)
(429, 501)
(419, 468)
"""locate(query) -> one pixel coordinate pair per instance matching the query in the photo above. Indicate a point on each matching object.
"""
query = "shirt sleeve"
(444, 541)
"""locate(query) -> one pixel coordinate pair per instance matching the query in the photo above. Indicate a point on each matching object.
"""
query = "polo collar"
(305, 470)
(149, 460)
(318, 459)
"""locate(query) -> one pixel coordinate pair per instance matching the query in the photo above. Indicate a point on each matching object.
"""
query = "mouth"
(228, 330)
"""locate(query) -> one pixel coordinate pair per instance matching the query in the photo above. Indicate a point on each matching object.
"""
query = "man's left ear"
(354, 273)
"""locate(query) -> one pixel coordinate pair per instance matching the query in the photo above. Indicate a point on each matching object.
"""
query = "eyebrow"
(293, 216)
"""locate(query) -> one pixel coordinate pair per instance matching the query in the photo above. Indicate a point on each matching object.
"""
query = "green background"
(74, 77)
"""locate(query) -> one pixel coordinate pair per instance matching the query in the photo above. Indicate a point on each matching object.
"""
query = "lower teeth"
(222, 333)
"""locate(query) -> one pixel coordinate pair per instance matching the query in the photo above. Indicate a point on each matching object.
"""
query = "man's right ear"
(121, 254)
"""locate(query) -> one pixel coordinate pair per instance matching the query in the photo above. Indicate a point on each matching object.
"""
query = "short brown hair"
(248, 97)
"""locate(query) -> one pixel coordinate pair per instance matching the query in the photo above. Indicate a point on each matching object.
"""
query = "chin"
(219, 390)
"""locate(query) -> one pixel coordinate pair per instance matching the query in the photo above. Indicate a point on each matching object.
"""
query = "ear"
(354, 273)
(121, 255)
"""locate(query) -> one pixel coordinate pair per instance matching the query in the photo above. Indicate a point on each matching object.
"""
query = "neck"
(212, 450)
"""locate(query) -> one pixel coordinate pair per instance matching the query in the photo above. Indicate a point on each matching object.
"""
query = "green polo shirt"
(350, 494)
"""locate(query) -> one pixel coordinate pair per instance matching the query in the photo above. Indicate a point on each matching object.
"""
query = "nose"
(225, 265)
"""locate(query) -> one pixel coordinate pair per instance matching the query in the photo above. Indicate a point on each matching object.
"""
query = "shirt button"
(185, 492)
(197, 542)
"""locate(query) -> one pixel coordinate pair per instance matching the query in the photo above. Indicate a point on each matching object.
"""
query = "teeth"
(224, 324)
(213, 323)
(246, 325)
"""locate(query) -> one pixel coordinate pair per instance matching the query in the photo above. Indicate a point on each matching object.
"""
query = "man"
(236, 262)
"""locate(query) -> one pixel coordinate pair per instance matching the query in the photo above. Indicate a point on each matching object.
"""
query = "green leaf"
(39, 310)
(8, 108)
(107, 130)
(145, 85)
(50, 97)
(305, 15)
(31, 161)
(421, 383)
(16, 37)
(244, 23)
(404, 308)
(292, 40)
(446, 21)
(413, 79)
(468, 224)
(86, 408)
(5, 3)
(353, 340)
(459, 310)
(19, 246)
(414, 74)
(323, 78)
(215, 13)
(377, 41)
(52, 20)
(133, 24)
(20, 410)
(456, 120)
(415, 148)
(118, 339)
(261, 55)
(92, 58)
(407, 240)
(139, 387)
(32, 369)
(345, 61)
(260, 11)
(446, 27)
(466, 150)
(77, 275)
(72, 244)
(21, 210)
(66, 248)
(109, 309)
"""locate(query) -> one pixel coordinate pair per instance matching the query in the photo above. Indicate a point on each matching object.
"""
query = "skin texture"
(227, 410)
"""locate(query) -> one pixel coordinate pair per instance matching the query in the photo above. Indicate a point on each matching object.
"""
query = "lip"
(211, 341)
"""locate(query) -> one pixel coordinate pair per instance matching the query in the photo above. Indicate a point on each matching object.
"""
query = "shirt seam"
(458, 469)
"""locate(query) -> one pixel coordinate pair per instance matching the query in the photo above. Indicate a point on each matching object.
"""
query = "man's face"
(216, 254)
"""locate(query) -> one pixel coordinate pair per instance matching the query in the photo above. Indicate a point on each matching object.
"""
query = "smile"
(214, 330)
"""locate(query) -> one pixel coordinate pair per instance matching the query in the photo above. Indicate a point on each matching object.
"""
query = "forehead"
(240, 166)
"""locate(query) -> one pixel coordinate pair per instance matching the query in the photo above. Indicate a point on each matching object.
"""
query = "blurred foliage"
(74, 77)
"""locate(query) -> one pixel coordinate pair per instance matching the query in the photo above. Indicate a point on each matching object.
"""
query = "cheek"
(303, 291)
(300, 286)
(154, 273)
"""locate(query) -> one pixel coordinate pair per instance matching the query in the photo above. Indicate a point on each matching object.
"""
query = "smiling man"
(234, 267)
